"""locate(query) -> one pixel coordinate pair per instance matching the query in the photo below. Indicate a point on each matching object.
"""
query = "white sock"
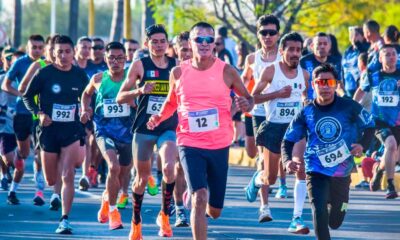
(14, 186)
(300, 193)
(54, 195)
(258, 180)
(113, 207)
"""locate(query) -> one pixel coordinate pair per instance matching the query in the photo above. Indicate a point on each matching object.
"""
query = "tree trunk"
(116, 24)
(16, 25)
(147, 17)
(73, 19)
(127, 19)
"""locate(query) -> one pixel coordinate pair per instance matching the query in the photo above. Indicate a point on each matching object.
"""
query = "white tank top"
(258, 66)
(282, 110)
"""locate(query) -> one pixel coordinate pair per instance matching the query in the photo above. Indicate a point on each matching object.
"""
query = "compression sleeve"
(286, 151)
(32, 90)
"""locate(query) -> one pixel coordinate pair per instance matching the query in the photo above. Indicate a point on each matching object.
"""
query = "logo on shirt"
(365, 117)
(56, 88)
(74, 89)
(328, 129)
(152, 73)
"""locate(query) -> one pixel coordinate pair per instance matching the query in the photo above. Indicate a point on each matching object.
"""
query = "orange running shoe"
(136, 231)
(102, 215)
(115, 220)
(122, 201)
(163, 223)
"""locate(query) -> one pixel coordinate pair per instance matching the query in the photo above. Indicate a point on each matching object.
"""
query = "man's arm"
(32, 90)
(87, 94)
(28, 77)
(232, 79)
(358, 95)
(306, 77)
(6, 86)
(129, 90)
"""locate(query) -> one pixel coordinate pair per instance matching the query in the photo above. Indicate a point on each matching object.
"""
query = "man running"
(59, 87)
(282, 88)
(131, 45)
(384, 85)
(332, 125)
(152, 73)
(112, 129)
(23, 122)
(205, 127)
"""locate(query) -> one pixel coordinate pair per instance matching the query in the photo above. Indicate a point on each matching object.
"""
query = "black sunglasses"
(207, 39)
(269, 32)
(98, 47)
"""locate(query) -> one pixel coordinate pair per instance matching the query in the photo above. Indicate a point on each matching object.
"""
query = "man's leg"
(339, 199)
(180, 187)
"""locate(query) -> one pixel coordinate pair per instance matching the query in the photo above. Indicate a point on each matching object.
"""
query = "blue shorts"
(143, 144)
(205, 168)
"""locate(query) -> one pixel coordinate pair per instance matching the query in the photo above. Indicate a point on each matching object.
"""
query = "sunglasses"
(269, 32)
(207, 39)
(325, 82)
(98, 47)
(8, 58)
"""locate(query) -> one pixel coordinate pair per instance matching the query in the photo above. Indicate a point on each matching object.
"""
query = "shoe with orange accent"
(152, 187)
(163, 223)
(115, 220)
(122, 201)
(102, 215)
(136, 231)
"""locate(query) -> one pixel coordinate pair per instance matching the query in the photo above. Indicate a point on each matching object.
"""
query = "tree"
(73, 19)
(147, 15)
(116, 24)
(16, 26)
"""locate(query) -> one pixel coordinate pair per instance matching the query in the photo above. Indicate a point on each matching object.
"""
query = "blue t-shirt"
(330, 131)
(92, 68)
(309, 63)
(16, 73)
(385, 96)
(351, 72)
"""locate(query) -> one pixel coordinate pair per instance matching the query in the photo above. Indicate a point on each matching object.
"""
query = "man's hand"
(293, 167)
(85, 116)
(147, 88)
(243, 104)
(153, 122)
(285, 92)
(356, 150)
(44, 119)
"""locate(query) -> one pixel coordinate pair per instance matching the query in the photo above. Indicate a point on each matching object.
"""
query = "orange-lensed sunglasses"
(325, 82)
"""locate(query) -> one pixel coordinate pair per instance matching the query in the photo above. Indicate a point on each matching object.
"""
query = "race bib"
(155, 104)
(386, 99)
(286, 111)
(203, 121)
(63, 113)
(112, 109)
(334, 155)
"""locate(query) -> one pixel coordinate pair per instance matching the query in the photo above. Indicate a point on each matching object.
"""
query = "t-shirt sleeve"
(297, 128)
(34, 88)
(361, 116)
(13, 71)
(365, 82)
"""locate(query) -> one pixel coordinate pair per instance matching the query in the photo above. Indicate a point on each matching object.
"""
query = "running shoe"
(12, 198)
(163, 222)
(152, 187)
(159, 178)
(297, 226)
(264, 214)
(187, 200)
(181, 218)
(4, 183)
(64, 227)
(122, 201)
(38, 200)
(252, 189)
(282, 192)
(55, 202)
(84, 183)
(115, 220)
(136, 231)
(375, 183)
(102, 214)
(391, 194)
(92, 174)
(39, 180)
(362, 185)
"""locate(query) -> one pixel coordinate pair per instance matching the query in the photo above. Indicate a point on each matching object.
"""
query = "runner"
(131, 45)
(22, 122)
(268, 34)
(205, 127)
(152, 73)
(61, 135)
(112, 129)
(384, 85)
(282, 88)
(371, 33)
(82, 51)
(331, 124)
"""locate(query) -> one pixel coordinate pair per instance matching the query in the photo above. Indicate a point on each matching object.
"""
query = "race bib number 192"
(388, 100)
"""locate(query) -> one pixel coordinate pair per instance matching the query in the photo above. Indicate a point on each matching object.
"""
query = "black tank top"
(149, 104)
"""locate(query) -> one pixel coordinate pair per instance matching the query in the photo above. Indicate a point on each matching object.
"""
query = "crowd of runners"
(115, 109)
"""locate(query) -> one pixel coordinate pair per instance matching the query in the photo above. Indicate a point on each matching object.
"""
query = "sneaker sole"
(65, 231)
(118, 227)
(182, 224)
(302, 231)
(375, 184)
(12, 203)
(38, 202)
(265, 219)
(393, 196)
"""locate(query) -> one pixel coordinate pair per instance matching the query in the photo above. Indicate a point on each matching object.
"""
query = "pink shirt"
(204, 107)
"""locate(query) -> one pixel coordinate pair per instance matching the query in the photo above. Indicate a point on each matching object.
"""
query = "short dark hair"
(84, 39)
(130, 40)
(392, 33)
(50, 39)
(292, 36)
(372, 25)
(202, 25)
(325, 68)
(363, 58)
(63, 39)
(156, 28)
(115, 45)
(322, 34)
(386, 46)
(97, 39)
(223, 31)
(36, 37)
(268, 19)
(183, 36)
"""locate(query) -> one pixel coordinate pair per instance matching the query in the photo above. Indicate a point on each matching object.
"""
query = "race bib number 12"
(203, 121)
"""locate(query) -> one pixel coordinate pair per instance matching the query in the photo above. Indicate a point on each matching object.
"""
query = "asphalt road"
(369, 216)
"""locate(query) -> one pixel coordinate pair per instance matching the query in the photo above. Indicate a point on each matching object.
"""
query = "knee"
(68, 176)
(214, 213)
(169, 171)
(51, 181)
(390, 144)
(114, 169)
(19, 164)
(269, 180)
(199, 199)
(141, 179)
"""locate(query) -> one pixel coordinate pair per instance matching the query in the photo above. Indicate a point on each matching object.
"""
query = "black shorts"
(248, 123)
(124, 150)
(57, 136)
(270, 136)
(383, 131)
(257, 120)
(23, 126)
(8, 143)
(237, 117)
